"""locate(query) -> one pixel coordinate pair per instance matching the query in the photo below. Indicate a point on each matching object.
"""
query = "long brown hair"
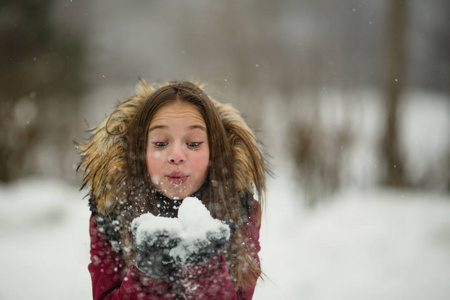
(223, 198)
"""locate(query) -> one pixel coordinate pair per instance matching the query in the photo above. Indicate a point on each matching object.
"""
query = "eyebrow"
(192, 127)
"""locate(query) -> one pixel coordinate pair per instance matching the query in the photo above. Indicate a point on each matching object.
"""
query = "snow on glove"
(213, 243)
(203, 237)
(155, 237)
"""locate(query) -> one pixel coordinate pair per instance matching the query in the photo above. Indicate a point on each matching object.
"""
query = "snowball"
(196, 219)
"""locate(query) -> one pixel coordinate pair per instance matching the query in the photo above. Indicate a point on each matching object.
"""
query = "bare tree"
(395, 77)
(41, 81)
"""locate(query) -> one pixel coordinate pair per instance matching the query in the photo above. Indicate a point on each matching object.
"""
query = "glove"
(163, 244)
(153, 248)
(213, 243)
(153, 254)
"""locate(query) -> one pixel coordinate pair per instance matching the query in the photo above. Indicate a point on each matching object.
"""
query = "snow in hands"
(197, 232)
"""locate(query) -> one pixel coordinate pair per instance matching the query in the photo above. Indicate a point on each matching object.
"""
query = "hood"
(103, 157)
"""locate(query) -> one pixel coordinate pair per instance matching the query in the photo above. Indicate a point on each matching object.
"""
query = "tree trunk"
(394, 81)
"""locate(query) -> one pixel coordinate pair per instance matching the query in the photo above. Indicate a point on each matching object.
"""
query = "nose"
(177, 155)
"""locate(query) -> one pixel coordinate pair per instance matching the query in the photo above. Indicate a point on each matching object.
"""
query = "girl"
(153, 151)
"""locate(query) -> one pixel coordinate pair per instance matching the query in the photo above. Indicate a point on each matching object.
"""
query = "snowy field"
(379, 244)
(365, 245)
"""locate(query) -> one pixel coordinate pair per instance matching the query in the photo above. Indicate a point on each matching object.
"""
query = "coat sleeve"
(111, 280)
(253, 226)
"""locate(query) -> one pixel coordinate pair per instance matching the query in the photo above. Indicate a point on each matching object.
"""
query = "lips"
(177, 177)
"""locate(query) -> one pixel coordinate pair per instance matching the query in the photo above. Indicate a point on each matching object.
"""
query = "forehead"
(178, 112)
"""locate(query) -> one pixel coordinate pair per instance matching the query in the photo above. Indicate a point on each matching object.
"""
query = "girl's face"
(177, 151)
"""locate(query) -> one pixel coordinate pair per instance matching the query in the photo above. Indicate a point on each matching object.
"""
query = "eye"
(160, 144)
(194, 144)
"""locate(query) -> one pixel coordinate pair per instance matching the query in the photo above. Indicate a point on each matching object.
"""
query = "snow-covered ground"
(44, 236)
(378, 244)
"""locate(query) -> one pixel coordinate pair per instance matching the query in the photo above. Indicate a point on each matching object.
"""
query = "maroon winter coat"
(208, 280)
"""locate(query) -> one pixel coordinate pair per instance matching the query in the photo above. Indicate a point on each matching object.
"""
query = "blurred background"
(351, 100)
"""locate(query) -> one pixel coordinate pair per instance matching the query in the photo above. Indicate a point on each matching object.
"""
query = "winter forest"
(350, 100)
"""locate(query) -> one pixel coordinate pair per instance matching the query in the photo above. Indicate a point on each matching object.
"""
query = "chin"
(177, 196)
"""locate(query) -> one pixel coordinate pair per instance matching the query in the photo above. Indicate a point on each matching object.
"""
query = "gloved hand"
(153, 254)
(213, 243)
(163, 244)
(153, 248)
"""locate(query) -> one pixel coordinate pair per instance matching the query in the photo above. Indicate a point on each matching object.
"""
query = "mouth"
(177, 177)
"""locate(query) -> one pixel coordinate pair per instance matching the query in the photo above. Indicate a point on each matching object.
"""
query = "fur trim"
(248, 159)
(103, 157)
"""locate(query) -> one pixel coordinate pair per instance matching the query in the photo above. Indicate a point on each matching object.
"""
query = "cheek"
(154, 161)
(202, 161)
(153, 156)
(155, 179)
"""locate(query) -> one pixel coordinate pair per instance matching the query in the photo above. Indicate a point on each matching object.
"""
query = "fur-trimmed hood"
(103, 157)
